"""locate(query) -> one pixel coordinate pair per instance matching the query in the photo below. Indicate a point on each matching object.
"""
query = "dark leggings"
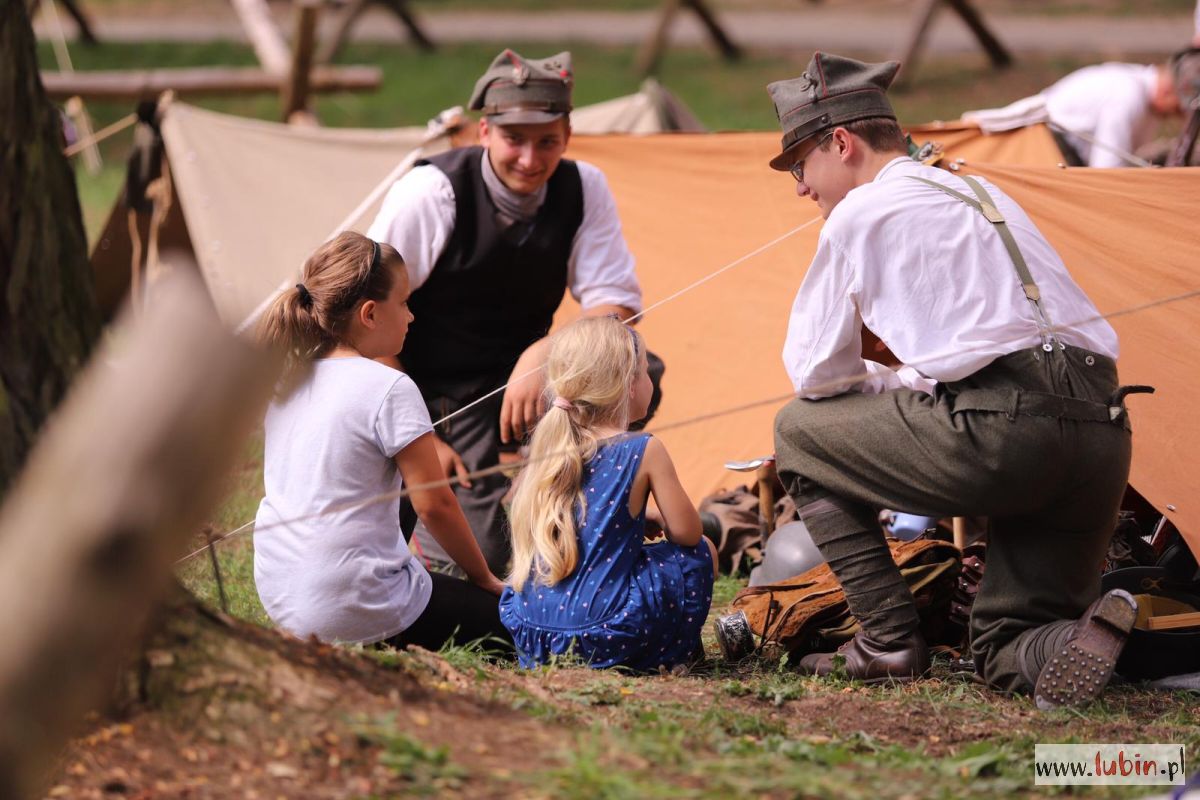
(458, 612)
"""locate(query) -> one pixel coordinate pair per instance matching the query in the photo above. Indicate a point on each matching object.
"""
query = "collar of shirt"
(888, 166)
(511, 206)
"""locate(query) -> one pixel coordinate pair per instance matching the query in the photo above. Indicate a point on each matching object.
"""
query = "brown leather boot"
(1080, 669)
(865, 660)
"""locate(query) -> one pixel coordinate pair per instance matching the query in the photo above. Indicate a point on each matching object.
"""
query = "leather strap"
(1031, 404)
(991, 213)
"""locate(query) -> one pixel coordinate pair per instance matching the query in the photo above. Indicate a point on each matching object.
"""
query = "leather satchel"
(808, 613)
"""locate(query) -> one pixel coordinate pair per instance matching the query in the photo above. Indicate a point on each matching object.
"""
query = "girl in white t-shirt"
(330, 559)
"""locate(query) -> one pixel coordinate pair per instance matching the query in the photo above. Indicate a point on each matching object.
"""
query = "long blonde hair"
(591, 367)
(310, 319)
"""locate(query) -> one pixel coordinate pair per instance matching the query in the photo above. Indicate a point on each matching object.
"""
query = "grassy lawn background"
(418, 85)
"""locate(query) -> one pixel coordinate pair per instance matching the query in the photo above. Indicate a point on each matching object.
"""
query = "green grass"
(427, 771)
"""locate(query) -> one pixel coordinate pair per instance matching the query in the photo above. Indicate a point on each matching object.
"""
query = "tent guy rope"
(699, 418)
(640, 314)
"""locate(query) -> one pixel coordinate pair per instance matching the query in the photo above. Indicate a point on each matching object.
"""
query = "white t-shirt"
(346, 575)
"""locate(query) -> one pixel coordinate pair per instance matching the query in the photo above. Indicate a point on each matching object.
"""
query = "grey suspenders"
(985, 206)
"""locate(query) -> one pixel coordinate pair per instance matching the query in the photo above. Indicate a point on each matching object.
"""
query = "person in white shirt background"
(1104, 115)
(993, 413)
(1109, 109)
(492, 236)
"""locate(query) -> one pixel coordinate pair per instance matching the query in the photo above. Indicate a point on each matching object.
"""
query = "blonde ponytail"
(591, 367)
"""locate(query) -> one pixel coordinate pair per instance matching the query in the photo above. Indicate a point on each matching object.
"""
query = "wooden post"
(767, 478)
(354, 9)
(960, 532)
(923, 21)
(264, 35)
(296, 89)
(400, 9)
(652, 48)
(651, 51)
(728, 49)
(999, 55)
(76, 12)
(122, 477)
(916, 38)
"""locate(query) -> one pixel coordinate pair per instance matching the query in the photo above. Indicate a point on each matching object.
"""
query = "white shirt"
(931, 277)
(417, 218)
(1109, 102)
(347, 575)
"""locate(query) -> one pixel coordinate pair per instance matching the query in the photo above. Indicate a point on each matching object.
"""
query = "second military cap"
(833, 90)
(519, 90)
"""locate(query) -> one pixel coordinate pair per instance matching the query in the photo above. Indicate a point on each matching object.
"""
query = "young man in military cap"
(995, 412)
(492, 237)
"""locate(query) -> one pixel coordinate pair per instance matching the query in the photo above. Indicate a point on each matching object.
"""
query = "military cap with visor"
(520, 91)
(832, 91)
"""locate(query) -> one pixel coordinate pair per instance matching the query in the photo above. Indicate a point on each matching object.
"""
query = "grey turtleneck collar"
(511, 206)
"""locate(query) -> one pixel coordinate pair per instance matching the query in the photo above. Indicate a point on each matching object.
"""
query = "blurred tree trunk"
(48, 314)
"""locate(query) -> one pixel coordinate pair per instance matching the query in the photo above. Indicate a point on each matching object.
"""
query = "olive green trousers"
(1028, 441)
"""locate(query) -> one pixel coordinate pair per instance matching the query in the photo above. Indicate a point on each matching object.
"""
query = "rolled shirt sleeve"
(417, 218)
(823, 349)
(601, 268)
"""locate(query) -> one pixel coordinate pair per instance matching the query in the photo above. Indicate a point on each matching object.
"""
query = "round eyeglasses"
(797, 169)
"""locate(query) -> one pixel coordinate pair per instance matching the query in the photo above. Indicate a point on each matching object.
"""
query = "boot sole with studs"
(1078, 673)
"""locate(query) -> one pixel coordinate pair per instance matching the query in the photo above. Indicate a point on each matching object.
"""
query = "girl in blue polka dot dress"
(582, 580)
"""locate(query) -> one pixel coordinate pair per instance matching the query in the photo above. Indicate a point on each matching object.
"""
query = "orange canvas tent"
(691, 205)
(251, 199)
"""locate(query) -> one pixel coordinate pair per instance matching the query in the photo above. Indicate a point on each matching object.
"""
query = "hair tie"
(375, 254)
(306, 298)
(563, 403)
(632, 333)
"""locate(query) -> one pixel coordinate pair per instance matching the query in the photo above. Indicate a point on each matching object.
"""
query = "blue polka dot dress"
(627, 604)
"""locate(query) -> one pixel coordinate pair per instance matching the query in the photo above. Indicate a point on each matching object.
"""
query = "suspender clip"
(991, 213)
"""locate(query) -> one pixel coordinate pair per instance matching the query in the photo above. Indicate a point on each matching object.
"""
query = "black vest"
(493, 292)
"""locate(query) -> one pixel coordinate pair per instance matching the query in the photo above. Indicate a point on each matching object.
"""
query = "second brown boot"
(1082, 666)
(871, 662)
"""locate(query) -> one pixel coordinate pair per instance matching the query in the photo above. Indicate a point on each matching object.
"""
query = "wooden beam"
(728, 49)
(916, 38)
(996, 51)
(1169, 622)
(652, 49)
(120, 480)
(132, 85)
(296, 89)
(350, 14)
(923, 21)
(265, 37)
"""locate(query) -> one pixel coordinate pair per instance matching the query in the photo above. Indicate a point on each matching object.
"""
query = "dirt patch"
(218, 708)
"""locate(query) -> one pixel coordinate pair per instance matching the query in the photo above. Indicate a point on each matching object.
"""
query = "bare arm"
(522, 404)
(680, 517)
(438, 508)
